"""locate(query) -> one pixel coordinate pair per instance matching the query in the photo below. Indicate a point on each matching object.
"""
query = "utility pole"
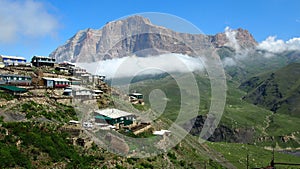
(247, 160)
(272, 162)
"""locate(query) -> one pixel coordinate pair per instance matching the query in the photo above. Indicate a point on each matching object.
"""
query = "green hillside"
(241, 118)
(278, 91)
(251, 63)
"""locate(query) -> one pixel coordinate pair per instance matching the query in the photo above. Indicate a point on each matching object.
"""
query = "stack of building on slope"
(44, 72)
(66, 81)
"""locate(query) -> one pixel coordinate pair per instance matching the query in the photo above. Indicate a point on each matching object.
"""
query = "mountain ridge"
(137, 35)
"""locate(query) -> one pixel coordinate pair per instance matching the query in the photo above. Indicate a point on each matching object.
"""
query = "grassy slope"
(258, 157)
(278, 91)
(238, 113)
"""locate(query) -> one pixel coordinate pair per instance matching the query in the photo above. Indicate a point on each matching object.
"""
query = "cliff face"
(137, 35)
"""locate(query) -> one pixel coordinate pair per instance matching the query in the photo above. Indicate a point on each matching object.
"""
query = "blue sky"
(31, 27)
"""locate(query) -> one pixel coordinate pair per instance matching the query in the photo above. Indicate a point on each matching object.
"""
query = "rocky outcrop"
(221, 133)
(137, 35)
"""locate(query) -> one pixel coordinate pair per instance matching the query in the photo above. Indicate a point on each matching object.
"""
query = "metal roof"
(113, 113)
(56, 79)
(15, 75)
(13, 88)
(74, 78)
(45, 57)
(13, 57)
(161, 132)
(136, 94)
(98, 91)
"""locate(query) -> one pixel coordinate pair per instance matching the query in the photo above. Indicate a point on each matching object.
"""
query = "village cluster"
(67, 82)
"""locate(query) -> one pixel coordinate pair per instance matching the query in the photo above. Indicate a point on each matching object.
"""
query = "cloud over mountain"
(273, 45)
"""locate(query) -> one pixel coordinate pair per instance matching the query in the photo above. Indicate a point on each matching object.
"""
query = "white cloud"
(25, 19)
(131, 66)
(231, 36)
(273, 45)
(228, 61)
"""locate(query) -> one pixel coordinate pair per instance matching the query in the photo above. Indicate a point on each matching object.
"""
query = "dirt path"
(267, 121)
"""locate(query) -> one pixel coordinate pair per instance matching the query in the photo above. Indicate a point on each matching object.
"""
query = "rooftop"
(136, 94)
(161, 132)
(56, 79)
(78, 88)
(113, 113)
(46, 57)
(73, 78)
(98, 91)
(13, 88)
(15, 75)
(13, 57)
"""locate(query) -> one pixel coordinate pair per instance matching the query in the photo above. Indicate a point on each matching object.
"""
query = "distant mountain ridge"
(138, 35)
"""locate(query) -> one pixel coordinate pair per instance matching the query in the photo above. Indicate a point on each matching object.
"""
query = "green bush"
(172, 155)
(10, 156)
(146, 165)
(6, 96)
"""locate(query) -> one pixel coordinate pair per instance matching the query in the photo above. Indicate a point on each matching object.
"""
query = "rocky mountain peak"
(136, 34)
(243, 39)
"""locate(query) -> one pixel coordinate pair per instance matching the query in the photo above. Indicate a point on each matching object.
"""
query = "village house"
(79, 92)
(12, 79)
(66, 64)
(86, 78)
(12, 60)
(42, 61)
(62, 69)
(114, 117)
(75, 81)
(77, 71)
(56, 82)
(136, 98)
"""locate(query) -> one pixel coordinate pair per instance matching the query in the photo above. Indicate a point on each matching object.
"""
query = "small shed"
(162, 133)
(67, 91)
(136, 95)
(136, 98)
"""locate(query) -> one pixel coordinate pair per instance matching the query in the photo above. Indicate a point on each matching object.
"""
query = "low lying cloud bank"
(132, 65)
